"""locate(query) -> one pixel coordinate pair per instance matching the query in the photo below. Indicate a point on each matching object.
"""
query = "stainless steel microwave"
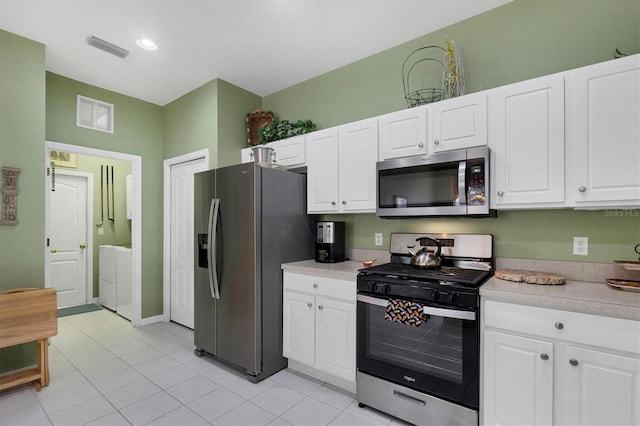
(453, 183)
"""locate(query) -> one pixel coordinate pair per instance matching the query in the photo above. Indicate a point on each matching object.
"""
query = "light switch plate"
(101, 231)
(378, 236)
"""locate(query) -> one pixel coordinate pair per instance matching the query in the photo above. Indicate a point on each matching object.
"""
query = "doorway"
(178, 235)
(136, 228)
(69, 240)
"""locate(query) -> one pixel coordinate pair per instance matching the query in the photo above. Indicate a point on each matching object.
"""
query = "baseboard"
(325, 377)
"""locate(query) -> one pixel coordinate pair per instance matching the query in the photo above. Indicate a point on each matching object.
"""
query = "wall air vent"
(107, 47)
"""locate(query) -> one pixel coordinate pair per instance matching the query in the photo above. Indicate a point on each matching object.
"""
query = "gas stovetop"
(444, 275)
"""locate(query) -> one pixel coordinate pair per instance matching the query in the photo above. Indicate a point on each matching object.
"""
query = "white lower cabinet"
(545, 366)
(319, 327)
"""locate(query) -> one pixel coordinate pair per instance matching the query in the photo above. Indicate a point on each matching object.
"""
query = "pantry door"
(68, 238)
(182, 240)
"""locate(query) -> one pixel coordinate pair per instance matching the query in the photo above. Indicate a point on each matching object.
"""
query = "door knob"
(82, 246)
(54, 251)
(544, 356)
(500, 193)
(437, 142)
(320, 307)
(582, 189)
(309, 305)
(420, 145)
(559, 325)
(573, 362)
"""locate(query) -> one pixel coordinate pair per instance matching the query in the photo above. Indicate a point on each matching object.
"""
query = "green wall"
(211, 116)
(518, 41)
(138, 130)
(22, 129)
(117, 232)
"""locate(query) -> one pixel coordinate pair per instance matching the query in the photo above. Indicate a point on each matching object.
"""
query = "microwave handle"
(462, 179)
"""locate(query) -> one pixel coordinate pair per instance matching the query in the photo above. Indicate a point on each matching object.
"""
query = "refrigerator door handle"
(211, 248)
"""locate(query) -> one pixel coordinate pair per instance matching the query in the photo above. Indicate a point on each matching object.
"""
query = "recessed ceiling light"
(146, 44)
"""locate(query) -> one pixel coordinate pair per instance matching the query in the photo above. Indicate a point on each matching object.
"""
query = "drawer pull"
(544, 356)
(559, 325)
(573, 362)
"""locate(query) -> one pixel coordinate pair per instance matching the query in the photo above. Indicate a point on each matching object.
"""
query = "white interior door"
(182, 255)
(68, 239)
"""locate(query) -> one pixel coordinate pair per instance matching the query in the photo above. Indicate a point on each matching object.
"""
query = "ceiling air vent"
(107, 47)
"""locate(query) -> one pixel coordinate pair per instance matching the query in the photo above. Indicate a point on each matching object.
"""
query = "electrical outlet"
(101, 231)
(378, 236)
(580, 246)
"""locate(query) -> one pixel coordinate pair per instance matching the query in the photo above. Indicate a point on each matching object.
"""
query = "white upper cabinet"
(357, 157)
(527, 144)
(603, 134)
(322, 171)
(290, 152)
(341, 170)
(458, 123)
(403, 133)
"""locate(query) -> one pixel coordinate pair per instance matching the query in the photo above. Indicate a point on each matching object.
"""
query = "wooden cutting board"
(530, 277)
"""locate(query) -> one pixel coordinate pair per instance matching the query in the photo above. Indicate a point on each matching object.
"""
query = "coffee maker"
(330, 242)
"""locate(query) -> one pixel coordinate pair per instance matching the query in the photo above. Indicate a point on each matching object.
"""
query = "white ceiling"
(260, 45)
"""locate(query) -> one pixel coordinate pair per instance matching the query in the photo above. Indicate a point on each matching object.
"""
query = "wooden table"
(27, 315)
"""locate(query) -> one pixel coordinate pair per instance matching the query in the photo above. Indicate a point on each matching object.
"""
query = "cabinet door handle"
(573, 362)
(436, 142)
(500, 193)
(582, 189)
(344, 202)
(315, 285)
(320, 307)
(420, 145)
(309, 304)
(54, 251)
(559, 325)
(544, 356)
(82, 246)
(333, 203)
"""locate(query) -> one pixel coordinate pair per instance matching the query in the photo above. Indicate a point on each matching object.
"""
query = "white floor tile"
(112, 419)
(68, 397)
(132, 393)
(20, 407)
(247, 389)
(310, 411)
(278, 399)
(142, 356)
(82, 413)
(346, 419)
(150, 408)
(182, 416)
(172, 376)
(302, 383)
(156, 365)
(215, 404)
(245, 414)
(192, 389)
(129, 348)
(116, 380)
(109, 366)
(333, 396)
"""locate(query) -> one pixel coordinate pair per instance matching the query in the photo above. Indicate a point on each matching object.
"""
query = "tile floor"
(106, 372)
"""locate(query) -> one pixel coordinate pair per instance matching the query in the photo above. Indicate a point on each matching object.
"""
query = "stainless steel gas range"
(418, 334)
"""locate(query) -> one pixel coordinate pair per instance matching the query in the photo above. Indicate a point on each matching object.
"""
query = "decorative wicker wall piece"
(9, 196)
(255, 120)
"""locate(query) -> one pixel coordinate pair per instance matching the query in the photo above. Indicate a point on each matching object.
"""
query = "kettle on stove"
(425, 257)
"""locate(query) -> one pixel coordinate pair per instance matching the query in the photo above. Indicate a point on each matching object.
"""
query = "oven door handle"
(429, 310)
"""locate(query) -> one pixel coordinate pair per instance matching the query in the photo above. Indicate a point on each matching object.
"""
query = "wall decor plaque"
(9, 196)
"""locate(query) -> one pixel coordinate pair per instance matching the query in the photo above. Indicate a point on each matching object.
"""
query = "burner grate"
(468, 277)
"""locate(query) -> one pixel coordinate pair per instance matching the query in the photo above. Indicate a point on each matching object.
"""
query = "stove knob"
(435, 295)
(453, 299)
(373, 287)
(386, 289)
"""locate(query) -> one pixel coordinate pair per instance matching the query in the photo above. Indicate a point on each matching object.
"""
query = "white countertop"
(342, 270)
(578, 296)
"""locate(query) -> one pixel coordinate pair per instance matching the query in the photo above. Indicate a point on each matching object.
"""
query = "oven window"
(439, 357)
(419, 186)
(433, 348)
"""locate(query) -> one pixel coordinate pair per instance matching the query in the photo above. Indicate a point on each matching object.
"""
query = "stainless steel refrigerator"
(248, 221)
